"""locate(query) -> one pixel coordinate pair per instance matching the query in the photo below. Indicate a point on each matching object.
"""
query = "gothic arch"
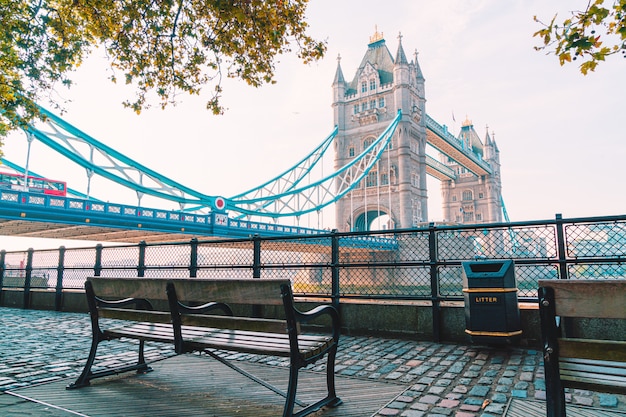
(372, 219)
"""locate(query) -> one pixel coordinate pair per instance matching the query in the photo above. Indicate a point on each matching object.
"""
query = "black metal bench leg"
(330, 379)
(331, 399)
(291, 391)
(141, 362)
(85, 376)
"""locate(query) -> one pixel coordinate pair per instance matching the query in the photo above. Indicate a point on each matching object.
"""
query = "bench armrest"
(140, 303)
(295, 316)
(319, 311)
(204, 308)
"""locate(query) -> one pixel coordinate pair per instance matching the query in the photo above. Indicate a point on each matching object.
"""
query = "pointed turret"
(401, 70)
(418, 69)
(339, 73)
(339, 94)
(489, 146)
(339, 84)
(400, 56)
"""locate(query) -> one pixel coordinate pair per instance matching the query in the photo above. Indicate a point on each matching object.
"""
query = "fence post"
(97, 267)
(193, 258)
(27, 277)
(566, 322)
(141, 262)
(560, 239)
(257, 310)
(256, 256)
(3, 254)
(58, 296)
(434, 282)
(334, 265)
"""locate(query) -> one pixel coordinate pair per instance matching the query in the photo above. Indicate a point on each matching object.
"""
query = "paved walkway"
(441, 379)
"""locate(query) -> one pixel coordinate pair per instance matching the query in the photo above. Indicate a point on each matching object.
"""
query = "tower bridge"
(469, 170)
(383, 146)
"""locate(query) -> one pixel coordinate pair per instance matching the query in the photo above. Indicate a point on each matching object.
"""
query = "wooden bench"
(597, 365)
(192, 323)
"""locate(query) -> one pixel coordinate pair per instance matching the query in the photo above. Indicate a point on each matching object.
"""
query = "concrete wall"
(409, 320)
(412, 320)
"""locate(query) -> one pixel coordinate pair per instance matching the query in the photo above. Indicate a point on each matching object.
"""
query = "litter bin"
(491, 309)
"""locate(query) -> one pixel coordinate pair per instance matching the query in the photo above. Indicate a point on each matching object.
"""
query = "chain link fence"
(423, 263)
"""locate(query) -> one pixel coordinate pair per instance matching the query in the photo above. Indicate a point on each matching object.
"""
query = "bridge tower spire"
(363, 108)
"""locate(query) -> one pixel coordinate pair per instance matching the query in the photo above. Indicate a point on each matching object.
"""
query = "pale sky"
(559, 134)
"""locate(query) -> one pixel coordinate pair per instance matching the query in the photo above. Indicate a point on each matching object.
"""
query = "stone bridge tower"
(470, 198)
(394, 193)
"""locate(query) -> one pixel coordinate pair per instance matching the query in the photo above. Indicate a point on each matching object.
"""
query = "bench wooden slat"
(589, 380)
(194, 333)
(303, 340)
(585, 298)
(231, 291)
(155, 332)
(243, 323)
(613, 369)
(276, 347)
(119, 288)
(608, 350)
(136, 315)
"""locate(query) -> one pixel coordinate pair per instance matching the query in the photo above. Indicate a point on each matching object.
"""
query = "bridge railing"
(423, 263)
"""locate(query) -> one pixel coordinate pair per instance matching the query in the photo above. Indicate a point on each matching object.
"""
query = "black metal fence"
(418, 264)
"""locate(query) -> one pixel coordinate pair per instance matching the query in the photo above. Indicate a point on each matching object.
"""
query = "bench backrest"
(189, 290)
(605, 299)
(118, 288)
(229, 291)
(589, 298)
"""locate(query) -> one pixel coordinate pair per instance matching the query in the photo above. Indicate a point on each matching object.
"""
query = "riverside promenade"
(432, 379)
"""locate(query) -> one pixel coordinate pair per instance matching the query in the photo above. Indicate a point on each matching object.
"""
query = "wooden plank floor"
(531, 408)
(188, 385)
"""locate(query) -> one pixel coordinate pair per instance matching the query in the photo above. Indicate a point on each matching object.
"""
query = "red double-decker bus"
(33, 184)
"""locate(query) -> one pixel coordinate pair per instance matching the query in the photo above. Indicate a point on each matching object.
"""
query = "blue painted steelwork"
(18, 205)
(444, 170)
(24, 206)
(469, 159)
(287, 195)
(64, 138)
(289, 179)
(272, 200)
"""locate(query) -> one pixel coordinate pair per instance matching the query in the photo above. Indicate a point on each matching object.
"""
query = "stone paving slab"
(441, 379)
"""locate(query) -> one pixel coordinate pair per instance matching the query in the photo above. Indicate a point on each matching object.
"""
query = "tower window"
(480, 195)
(381, 102)
(372, 84)
(372, 179)
(367, 142)
(363, 106)
(384, 179)
(415, 179)
(372, 104)
(351, 151)
(467, 195)
(363, 87)
(356, 108)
